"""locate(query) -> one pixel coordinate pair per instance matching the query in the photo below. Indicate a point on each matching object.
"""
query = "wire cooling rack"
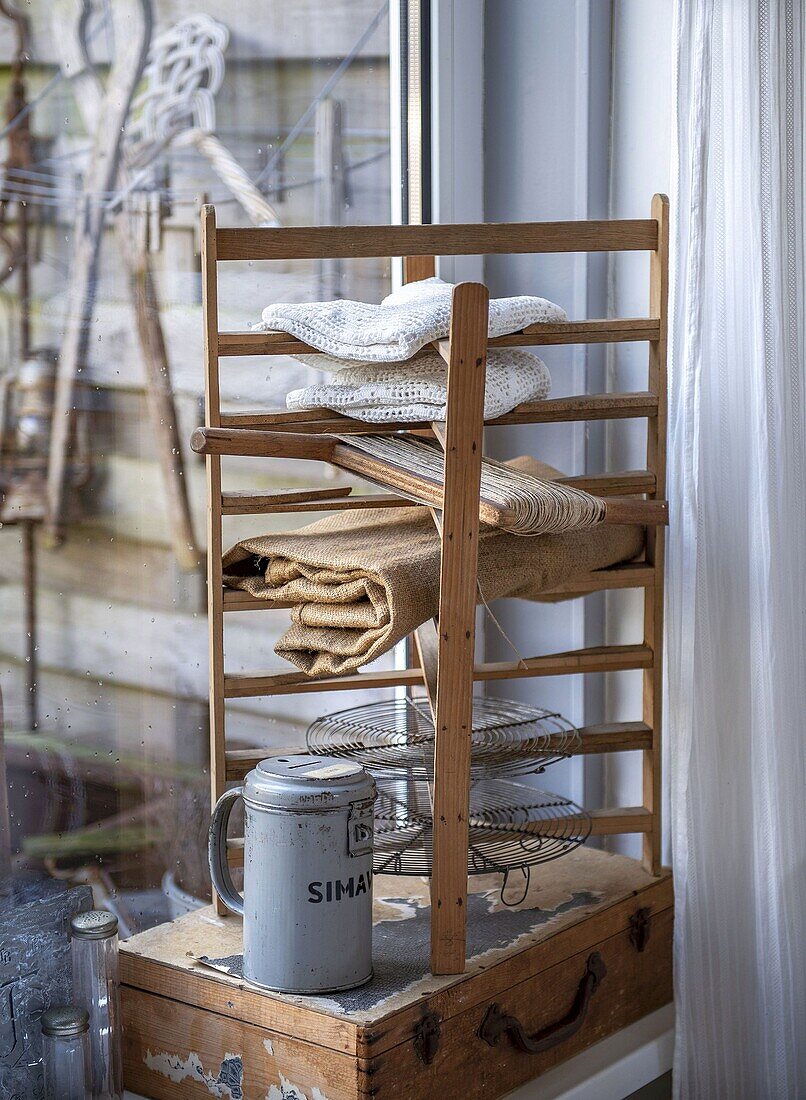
(508, 738)
(513, 826)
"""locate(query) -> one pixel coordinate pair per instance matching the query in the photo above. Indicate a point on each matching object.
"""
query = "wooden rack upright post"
(465, 352)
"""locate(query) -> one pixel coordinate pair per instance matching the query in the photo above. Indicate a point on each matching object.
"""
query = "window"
(277, 108)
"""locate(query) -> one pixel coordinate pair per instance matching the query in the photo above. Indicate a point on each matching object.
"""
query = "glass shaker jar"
(66, 1053)
(95, 988)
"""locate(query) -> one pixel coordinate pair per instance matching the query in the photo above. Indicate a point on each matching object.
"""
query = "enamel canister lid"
(302, 782)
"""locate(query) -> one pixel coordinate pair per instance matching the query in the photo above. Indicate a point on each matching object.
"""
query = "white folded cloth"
(418, 390)
(404, 322)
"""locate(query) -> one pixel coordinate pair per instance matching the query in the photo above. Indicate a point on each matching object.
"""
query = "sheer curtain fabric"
(736, 652)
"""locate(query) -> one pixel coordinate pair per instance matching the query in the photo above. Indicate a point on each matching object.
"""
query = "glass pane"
(267, 108)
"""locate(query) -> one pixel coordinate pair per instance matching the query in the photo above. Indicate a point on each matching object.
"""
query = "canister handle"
(217, 851)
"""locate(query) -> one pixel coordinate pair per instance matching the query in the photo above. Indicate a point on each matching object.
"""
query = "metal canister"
(307, 900)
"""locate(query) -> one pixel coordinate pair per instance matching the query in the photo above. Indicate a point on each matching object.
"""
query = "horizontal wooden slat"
(242, 502)
(236, 600)
(594, 406)
(261, 504)
(340, 498)
(613, 737)
(611, 822)
(616, 484)
(595, 659)
(628, 575)
(510, 238)
(610, 737)
(624, 819)
(608, 331)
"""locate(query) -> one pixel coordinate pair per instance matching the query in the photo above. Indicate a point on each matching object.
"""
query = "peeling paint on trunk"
(227, 1084)
(287, 1091)
(268, 1046)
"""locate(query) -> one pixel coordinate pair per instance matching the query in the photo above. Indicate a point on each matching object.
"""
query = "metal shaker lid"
(97, 924)
(303, 782)
(65, 1021)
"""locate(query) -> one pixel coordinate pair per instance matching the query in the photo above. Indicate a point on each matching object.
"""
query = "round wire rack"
(513, 826)
(508, 738)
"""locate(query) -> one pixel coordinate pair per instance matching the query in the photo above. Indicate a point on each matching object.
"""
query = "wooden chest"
(587, 952)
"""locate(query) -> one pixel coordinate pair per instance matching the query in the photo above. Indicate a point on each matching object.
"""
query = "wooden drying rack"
(446, 659)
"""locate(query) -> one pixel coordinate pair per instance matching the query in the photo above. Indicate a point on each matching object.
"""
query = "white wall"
(577, 125)
(545, 146)
(640, 163)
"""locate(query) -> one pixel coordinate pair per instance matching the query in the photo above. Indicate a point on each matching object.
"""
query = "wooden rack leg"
(653, 599)
(457, 609)
(215, 581)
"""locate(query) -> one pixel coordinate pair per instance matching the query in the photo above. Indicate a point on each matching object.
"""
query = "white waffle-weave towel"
(382, 394)
(404, 322)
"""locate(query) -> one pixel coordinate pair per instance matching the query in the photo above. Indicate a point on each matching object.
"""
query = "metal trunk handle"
(496, 1023)
(217, 851)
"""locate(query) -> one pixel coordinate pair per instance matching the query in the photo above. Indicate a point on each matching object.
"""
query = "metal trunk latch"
(426, 1038)
(359, 828)
(640, 927)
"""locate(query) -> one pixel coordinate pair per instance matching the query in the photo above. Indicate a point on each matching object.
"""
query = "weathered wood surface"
(132, 24)
(588, 892)
(453, 710)
(529, 958)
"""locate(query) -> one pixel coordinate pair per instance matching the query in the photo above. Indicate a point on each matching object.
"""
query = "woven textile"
(396, 329)
(360, 581)
(524, 504)
(418, 390)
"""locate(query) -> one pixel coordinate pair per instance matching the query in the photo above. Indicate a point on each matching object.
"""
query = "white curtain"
(736, 605)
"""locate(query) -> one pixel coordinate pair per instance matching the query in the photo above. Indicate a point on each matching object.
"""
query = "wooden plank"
(609, 737)
(628, 575)
(509, 238)
(619, 820)
(168, 1051)
(465, 1066)
(242, 502)
(202, 988)
(241, 761)
(338, 498)
(595, 659)
(453, 720)
(592, 406)
(614, 658)
(215, 580)
(418, 267)
(613, 737)
(614, 821)
(247, 441)
(132, 21)
(653, 603)
(495, 981)
(617, 483)
(239, 685)
(596, 331)
(426, 643)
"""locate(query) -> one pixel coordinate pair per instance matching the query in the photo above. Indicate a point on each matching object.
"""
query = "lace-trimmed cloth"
(400, 326)
(418, 390)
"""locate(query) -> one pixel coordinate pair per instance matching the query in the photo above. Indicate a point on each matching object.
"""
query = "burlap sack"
(360, 581)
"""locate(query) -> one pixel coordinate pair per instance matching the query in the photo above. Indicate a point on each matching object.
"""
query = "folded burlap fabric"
(360, 581)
